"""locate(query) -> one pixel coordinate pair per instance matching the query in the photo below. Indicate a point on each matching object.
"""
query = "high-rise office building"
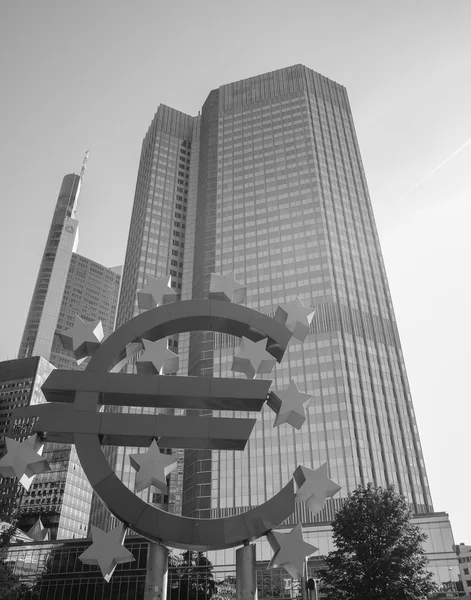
(283, 201)
(68, 284)
(156, 246)
(268, 182)
(91, 292)
(20, 385)
(62, 240)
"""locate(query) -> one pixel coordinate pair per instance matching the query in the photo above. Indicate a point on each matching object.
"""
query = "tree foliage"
(192, 577)
(9, 583)
(379, 553)
(225, 589)
(7, 531)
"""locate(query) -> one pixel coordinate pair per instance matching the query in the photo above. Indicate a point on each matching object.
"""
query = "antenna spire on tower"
(84, 165)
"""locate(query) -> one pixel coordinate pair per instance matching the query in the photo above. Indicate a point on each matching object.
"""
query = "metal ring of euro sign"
(101, 383)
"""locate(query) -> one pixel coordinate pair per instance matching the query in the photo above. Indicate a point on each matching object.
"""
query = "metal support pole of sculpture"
(246, 576)
(156, 572)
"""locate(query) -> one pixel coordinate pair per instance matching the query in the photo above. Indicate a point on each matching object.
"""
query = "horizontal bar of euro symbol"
(61, 421)
(126, 389)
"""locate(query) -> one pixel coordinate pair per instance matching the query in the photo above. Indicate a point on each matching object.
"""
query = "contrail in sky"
(452, 155)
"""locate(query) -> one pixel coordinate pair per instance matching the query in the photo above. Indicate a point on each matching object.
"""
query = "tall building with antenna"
(62, 241)
(67, 285)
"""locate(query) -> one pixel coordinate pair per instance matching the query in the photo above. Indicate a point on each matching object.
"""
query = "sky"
(89, 75)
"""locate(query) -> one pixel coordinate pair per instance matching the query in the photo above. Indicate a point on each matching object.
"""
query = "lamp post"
(316, 589)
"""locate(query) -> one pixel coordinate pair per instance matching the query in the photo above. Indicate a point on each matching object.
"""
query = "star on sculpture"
(23, 460)
(289, 405)
(156, 292)
(83, 339)
(314, 487)
(152, 468)
(132, 349)
(296, 317)
(290, 551)
(38, 532)
(130, 352)
(107, 550)
(253, 358)
(157, 359)
(225, 287)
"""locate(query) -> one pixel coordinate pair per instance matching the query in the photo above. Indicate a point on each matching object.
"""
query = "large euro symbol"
(75, 398)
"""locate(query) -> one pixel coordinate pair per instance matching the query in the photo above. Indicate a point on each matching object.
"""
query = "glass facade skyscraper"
(267, 181)
(20, 385)
(62, 498)
(91, 291)
(68, 284)
(283, 201)
(62, 240)
(156, 246)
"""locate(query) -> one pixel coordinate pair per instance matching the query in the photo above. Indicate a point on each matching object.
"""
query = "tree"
(9, 582)
(191, 577)
(225, 589)
(379, 553)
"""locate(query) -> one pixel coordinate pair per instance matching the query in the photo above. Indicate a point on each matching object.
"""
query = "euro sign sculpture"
(72, 414)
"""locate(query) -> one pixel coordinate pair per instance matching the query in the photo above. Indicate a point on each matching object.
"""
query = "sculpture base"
(246, 576)
(156, 572)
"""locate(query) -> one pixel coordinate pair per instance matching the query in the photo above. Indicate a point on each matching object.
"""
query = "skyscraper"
(20, 385)
(68, 284)
(62, 240)
(156, 245)
(91, 292)
(268, 182)
(283, 201)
